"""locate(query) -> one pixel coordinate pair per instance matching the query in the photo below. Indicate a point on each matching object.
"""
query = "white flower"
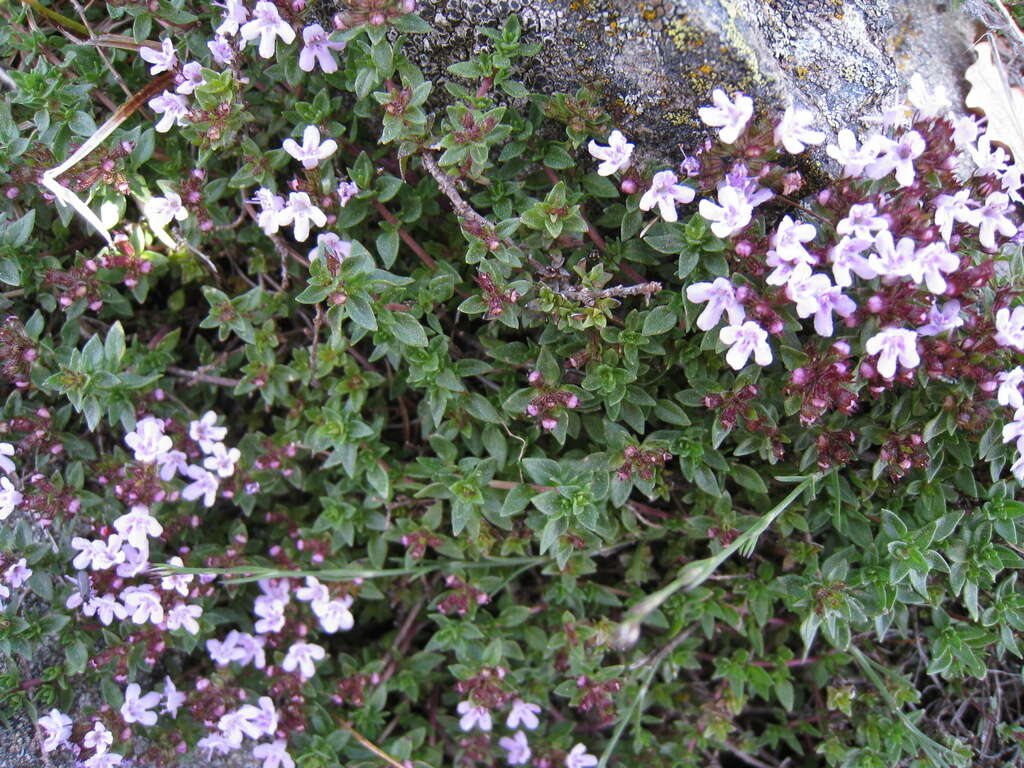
(846, 257)
(317, 49)
(953, 208)
(313, 592)
(234, 725)
(929, 264)
(235, 14)
(330, 243)
(743, 340)
(817, 296)
(176, 582)
(203, 484)
(300, 211)
(665, 192)
(222, 460)
(302, 655)
(473, 716)
(274, 755)
(1015, 429)
(892, 259)
(334, 615)
(271, 613)
(615, 157)
(853, 159)
(942, 320)
(173, 699)
(578, 757)
(98, 554)
(862, 221)
(992, 218)
(263, 718)
(731, 214)
(221, 50)
(215, 742)
(788, 255)
(928, 103)
(237, 646)
(312, 151)
(163, 58)
(173, 107)
(6, 465)
(191, 78)
(10, 498)
(721, 297)
(1009, 388)
(989, 160)
(896, 156)
(794, 130)
(1010, 328)
(136, 709)
(105, 608)
(56, 729)
(206, 432)
(137, 526)
(185, 617)
(892, 344)
(517, 747)
(99, 738)
(135, 561)
(267, 25)
(525, 713)
(104, 760)
(171, 463)
(162, 210)
(18, 574)
(730, 117)
(966, 129)
(143, 604)
(148, 440)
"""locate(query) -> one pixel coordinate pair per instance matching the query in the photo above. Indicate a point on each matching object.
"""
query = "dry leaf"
(1002, 103)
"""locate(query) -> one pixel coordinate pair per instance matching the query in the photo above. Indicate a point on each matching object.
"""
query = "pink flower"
(163, 58)
(896, 156)
(817, 296)
(525, 713)
(312, 151)
(665, 192)
(346, 191)
(173, 107)
(136, 709)
(18, 573)
(794, 130)
(302, 655)
(105, 608)
(267, 25)
(743, 340)
(473, 716)
(615, 157)
(318, 49)
(578, 757)
(185, 617)
(728, 116)
(731, 214)
(517, 747)
(892, 344)
(56, 729)
(721, 297)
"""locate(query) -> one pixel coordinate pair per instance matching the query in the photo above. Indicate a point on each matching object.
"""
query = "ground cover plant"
(356, 419)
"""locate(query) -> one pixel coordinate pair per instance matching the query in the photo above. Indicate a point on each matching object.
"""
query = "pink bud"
(875, 304)
(548, 423)
(628, 186)
(572, 401)
(799, 377)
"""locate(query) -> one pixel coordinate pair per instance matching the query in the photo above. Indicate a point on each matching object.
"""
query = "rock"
(656, 61)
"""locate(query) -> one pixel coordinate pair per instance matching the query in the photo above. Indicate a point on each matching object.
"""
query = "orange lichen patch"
(683, 35)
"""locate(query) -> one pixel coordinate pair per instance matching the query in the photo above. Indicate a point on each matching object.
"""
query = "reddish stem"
(408, 239)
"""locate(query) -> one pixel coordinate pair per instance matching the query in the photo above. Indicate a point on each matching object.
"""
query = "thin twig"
(447, 185)
(589, 296)
(203, 378)
(369, 744)
(409, 240)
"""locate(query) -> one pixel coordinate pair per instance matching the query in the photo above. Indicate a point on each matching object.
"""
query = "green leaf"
(407, 330)
(361, 312)
(659, 320)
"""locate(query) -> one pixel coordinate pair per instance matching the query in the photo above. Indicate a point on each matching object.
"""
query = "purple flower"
(853, 159)
(185, 617)
(861, 221)
(846, 257)
(148, 440)
(517, 748)
(330, 243)
(173, 107)
(728, 116)
(271, 615)
(163, 58)
(578, 757)
(953, 208)
(267, 25)
(789, 257)
(615, 157)
(346, 191)
(891, 259)
(271, 207)
(302, 655)
(794, 130)
(137, 526)
(99, 738)
(173, 699)
(317, 50)
(274, 755)
(172, 463)
(892, 344)
(1015, 429)
(97, 554)
(105, 608)
(235, 15)
(136, 709)
(929, 264)
(743, 340)
(18, 574)
(191, 78)
(1010, 328)
(312, 151)
(732, 213)
(222, 460)
(989, 161)
(203, 484)
(721, 297)
(335, 615)
(473, 716)
(143, 604)
(104, 760)
(221, 50)
(942, 320)
(262, 718)
(817, 296)
(161, 211)
(313, 592)
(665, 192)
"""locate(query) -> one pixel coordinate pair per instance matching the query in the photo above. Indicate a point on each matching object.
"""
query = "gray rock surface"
(656, 61)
